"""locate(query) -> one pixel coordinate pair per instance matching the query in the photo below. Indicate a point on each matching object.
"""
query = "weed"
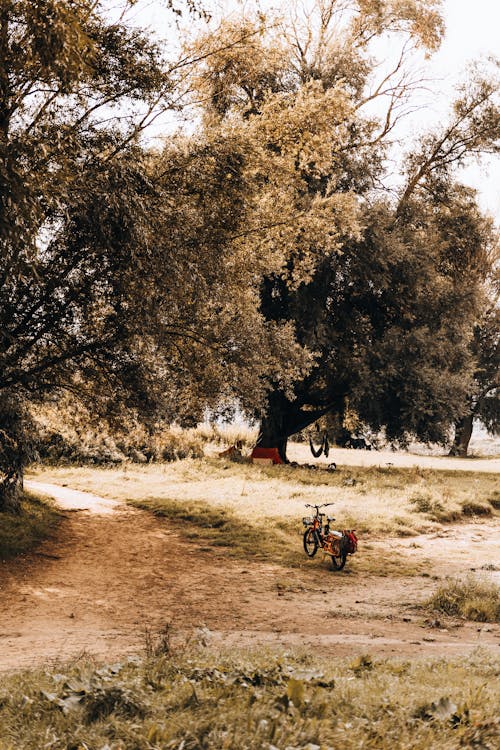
(425, 504)
(157, 643)
(434, 509)
(362, 663)
(472, 598)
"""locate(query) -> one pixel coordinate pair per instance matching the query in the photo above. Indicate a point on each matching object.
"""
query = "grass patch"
(21, 533)
(272, 540)
(252, 700)
(473, 598)
(475, 508)
(440, 510)
(372, 500)
(494, 500)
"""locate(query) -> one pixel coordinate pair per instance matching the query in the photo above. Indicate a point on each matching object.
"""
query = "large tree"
(120, 279)
(75, 92)
(378, 289)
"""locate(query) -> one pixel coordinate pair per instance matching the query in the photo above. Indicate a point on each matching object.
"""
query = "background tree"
(377, 289)
(65, 146)
(483, 400)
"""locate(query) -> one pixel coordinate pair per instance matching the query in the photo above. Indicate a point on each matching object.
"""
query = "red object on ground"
(272, 453)
(352, 541)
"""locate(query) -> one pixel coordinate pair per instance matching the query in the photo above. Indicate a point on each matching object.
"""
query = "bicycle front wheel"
(310, 542)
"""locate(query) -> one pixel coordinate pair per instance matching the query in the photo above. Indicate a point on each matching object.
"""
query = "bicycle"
(334, 543)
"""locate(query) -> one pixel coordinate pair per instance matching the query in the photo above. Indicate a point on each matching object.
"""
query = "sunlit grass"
(472, 598)
(375, 500)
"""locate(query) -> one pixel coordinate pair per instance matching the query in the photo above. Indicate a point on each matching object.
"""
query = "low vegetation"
(21, 533)
(66, 432)
(373, 500)
(471, 598)
(202, 699)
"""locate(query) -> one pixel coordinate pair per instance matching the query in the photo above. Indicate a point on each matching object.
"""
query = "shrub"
(473, 598)
(72, 435)
(435, 510)
(476, 508)
(495, 500)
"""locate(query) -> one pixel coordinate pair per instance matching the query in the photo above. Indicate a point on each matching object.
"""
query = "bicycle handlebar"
(323, 505)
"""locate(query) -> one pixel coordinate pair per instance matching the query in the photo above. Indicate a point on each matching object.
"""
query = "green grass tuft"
(21, 533)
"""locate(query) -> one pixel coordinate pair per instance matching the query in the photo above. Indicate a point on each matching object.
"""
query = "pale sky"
(472, 32)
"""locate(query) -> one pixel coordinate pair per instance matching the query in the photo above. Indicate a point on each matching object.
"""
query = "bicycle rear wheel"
(339, 559)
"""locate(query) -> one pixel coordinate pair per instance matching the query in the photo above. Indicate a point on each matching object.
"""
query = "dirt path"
(114, 573)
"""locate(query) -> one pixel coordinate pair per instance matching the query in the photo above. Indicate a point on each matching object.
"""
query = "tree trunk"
(463, 434)
(11, 492)
(282, 419)
(14, 452)
(273, 432)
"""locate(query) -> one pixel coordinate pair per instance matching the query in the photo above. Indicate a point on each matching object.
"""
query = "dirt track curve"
(114, 573)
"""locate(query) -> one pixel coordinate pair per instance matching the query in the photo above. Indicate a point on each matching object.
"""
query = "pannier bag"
(351, 541)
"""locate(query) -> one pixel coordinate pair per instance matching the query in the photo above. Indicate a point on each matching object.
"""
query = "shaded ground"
(115, 573)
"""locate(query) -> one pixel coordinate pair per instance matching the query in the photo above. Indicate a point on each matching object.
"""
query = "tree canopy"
(263, 256)
(382, 292)
(118, 280)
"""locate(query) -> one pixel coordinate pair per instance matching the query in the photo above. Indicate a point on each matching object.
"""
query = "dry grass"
(472, 598)
(21, 533)
(274, 540)
(374, 500)
(66, 432)
(257, 701)
(227, 434)
(222, 529)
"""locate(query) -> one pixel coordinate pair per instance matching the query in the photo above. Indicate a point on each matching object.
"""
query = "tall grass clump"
(227, 434)
(472, 598)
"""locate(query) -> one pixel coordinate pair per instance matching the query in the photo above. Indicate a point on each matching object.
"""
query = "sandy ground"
(348, 457)
(114, 574)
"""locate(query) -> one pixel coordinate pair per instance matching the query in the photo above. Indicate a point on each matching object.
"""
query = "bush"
(476, 508)
(435, 509)
(473, 598)
(72, 435)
